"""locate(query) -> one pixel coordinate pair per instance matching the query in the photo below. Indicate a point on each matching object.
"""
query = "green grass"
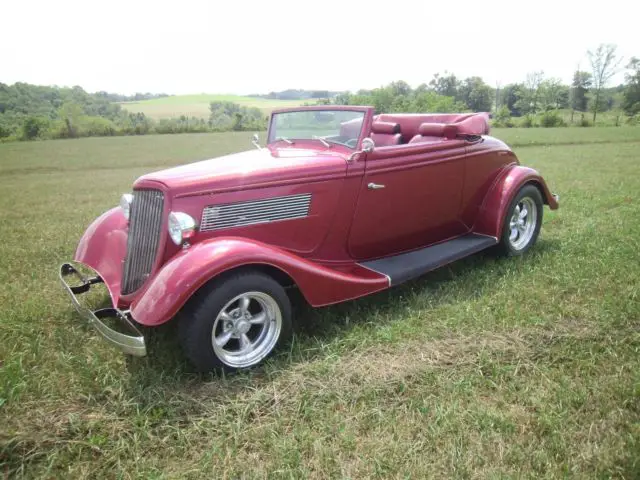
(198, 105)
(488, 368)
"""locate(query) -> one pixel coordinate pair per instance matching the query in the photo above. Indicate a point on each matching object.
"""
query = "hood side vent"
(289, 207)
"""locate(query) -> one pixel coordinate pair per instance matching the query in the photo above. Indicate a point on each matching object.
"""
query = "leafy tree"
(553, 94)
(510, 95)
(604, 64)
(631, 95)
(477, 95)
(33, 127)
(579, 89)
(446, 85)
(232, 116)
(529, 94)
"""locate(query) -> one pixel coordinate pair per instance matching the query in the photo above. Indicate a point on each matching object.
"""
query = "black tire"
(200, 316)
(530, 195)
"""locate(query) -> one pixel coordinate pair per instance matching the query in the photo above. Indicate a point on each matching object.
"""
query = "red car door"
(410, 197)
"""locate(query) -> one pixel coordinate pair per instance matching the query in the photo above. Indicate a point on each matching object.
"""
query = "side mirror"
(256, 141)
(367, 146)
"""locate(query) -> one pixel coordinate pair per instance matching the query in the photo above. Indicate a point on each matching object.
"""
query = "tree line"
(535, 101)
(29, 112)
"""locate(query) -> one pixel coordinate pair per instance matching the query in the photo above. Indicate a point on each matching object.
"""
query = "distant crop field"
(198, 105)
(487, 368)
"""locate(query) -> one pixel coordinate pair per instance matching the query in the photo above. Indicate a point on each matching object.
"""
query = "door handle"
(374, 186)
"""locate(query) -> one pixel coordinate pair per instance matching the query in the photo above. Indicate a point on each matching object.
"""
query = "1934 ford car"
(340, 203)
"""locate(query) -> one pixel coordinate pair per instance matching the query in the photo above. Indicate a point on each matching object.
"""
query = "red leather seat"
(386, 133)
(434, 132)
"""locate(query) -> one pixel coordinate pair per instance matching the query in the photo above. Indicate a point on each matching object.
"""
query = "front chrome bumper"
(133, 344)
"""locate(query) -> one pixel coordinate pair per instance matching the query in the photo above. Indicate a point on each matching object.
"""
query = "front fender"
(103, 247)
(491, 214)
(185, 273)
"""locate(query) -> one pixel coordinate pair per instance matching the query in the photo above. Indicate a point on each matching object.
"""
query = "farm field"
(489, 368)
(198, 105)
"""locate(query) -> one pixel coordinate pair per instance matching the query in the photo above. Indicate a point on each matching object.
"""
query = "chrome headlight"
(181, 227)
(125, 204)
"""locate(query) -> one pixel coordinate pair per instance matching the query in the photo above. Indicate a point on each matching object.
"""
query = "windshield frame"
(365, 127)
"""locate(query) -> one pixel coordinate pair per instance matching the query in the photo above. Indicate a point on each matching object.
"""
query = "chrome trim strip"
(251, 212)
(130, 344)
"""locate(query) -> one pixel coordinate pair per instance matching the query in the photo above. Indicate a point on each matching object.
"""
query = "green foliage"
(631, 95)
(584, 122)
(579, 90)
(475, 94)
(502, 118)
(398, 97)
(33, 127)
(604, 63)
(232, 116)
(528, 121)
(551, 118)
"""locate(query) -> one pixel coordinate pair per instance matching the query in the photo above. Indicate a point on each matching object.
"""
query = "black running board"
(406, 266)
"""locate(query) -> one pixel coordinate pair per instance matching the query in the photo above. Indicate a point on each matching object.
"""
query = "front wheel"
(522, 222)
(236, 323)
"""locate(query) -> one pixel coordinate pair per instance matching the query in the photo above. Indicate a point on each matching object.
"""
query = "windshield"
(329, 127)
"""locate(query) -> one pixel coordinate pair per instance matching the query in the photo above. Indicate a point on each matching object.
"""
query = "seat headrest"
(437, 130)
(385, 127)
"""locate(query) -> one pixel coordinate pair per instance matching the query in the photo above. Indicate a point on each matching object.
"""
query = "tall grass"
(487, 368)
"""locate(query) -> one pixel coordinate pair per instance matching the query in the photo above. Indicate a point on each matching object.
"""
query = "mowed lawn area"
(487, 368)
(198, 105)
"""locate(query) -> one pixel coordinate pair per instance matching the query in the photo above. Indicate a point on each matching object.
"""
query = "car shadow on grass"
(166, 367)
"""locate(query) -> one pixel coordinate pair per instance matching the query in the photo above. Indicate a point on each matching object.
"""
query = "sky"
(243, 47)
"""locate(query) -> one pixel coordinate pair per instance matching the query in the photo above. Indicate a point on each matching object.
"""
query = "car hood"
(253, 168)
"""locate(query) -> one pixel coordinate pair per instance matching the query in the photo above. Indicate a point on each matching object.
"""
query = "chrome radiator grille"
(228, 215)
(145, 222)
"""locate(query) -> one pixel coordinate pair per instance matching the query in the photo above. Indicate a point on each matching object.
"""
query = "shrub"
(551, 119)
(584, 122)
(527, 121)
(97, 127)
(34, 127)
(502, 118)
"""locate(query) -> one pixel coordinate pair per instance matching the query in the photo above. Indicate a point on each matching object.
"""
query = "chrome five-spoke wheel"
(523, 223)
(236, 321)
(246, 329)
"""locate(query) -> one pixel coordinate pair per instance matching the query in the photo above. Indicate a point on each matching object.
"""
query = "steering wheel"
(352, 142)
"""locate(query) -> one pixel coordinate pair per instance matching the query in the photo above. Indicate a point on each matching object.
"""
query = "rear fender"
(168, 291)
(491, 214)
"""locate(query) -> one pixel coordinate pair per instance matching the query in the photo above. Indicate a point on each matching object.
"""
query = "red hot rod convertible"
(339, 203)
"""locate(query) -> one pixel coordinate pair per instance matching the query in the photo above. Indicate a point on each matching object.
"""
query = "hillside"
(198, 105)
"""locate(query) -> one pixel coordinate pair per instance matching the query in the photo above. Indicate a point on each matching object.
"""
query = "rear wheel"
(236, 323)
(522, 222)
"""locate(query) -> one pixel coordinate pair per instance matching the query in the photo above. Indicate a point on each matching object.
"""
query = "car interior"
(391, 129)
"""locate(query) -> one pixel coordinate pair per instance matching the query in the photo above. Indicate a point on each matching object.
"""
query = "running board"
(406, 266)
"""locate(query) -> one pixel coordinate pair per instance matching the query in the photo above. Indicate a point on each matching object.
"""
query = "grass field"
(488, 368)
(198, 105)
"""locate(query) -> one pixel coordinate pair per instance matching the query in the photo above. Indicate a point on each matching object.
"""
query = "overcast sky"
(255, 47)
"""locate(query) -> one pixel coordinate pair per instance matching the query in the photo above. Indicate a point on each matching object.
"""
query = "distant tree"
(579, 89)
(400, 87)
(70, 113)
(476, 95)
(530, 93)
(446, 84)
(510, 95)
(604, 64)
(33, 127)
(553, 94)
(631, 94)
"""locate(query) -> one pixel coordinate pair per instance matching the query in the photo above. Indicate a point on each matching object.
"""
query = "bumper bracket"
(133, 344)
